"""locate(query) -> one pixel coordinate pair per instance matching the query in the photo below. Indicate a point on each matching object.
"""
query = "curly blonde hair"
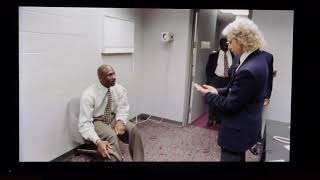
(246, 32)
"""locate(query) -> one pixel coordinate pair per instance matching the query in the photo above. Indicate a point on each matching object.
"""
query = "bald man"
(105, 126)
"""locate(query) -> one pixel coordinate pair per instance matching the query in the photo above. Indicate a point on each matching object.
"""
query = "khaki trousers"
(131, 136)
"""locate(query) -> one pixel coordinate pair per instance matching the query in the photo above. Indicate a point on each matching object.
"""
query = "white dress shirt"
(93, 103)
(219, 71)
(243, 57)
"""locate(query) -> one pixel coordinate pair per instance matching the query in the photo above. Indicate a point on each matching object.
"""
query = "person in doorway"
(103, 119)
(240, 104)
(217, 72)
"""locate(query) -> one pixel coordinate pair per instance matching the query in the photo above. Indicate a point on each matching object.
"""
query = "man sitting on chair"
(104, 111)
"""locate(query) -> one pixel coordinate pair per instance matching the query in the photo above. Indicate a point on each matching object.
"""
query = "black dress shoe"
(254, 150)
(209, 123)
(217, 122)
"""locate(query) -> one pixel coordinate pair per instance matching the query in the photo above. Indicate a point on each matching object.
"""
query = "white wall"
(59, 52)
(165, 65)
(60, 49)
(128, 67)
(277, 27)
(206, 32)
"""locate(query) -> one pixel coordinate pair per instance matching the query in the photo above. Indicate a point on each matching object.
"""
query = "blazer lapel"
(233, 75)
(249, 57)
(238, 64)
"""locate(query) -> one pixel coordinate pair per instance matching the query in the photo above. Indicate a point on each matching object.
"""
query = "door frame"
(191, 67)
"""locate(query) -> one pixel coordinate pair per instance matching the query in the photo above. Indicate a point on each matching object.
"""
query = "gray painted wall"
(129, 66)
(277, 27)
(164, 67)
(60, 49)
(59, 52)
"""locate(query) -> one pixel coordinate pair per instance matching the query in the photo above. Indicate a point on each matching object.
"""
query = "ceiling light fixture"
(236, 12)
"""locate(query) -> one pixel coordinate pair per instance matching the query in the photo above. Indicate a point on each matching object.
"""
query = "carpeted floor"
(202, 122)
(167, 142)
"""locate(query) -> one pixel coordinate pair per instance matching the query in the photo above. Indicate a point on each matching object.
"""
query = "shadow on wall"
(72, 120)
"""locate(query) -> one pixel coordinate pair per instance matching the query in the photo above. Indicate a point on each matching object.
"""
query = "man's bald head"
(106, 75)
(104, 68)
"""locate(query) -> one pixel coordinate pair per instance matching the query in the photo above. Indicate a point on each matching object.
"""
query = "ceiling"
(226, 17)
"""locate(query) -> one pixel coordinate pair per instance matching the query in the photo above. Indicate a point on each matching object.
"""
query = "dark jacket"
(269, 60)
(240, 104)
(212, 65)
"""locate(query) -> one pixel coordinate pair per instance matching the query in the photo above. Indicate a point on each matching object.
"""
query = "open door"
(207, 27)
(204, 32)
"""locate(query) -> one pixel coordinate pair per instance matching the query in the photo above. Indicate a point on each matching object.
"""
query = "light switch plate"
(205, 45)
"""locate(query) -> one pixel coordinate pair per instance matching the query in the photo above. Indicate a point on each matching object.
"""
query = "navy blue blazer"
(240, 104)
(269, 60)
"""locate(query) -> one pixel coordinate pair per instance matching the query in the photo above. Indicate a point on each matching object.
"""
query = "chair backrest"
(72, 116)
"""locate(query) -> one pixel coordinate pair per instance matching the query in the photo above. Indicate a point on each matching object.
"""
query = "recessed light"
(236, 12)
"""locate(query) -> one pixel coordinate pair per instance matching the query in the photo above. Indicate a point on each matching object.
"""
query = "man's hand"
(119, 127)
(266, 101)
(211, 89)
(103, 147)
(205, 89)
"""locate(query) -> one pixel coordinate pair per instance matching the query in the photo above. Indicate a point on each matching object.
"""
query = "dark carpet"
(168, 142)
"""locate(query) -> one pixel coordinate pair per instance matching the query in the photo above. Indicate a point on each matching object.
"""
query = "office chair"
(85, 147)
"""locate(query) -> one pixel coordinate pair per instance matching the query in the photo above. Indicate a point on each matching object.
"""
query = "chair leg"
(86, 151)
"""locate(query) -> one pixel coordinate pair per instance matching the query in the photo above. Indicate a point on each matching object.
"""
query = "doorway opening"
(206, 33)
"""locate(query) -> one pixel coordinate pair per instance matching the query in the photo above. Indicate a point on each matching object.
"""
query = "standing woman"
(240, 103)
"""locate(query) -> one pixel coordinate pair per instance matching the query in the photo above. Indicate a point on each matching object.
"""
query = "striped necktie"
(226, 65)
(107, 112)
